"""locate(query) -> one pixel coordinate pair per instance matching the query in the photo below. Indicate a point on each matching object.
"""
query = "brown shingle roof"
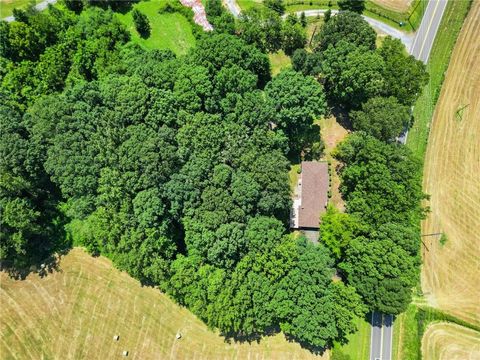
(314, 193)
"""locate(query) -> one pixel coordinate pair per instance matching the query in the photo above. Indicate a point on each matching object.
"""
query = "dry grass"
(446, 341)
(75, 312)
(332, 133)
(396, 5)
(452, 177)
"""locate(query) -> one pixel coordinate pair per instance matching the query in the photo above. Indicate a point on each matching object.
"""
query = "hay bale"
(116, 338)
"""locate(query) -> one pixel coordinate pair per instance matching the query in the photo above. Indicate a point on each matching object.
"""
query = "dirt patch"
(452, 177)
(446, 341)
(332, 133)
(75, 312)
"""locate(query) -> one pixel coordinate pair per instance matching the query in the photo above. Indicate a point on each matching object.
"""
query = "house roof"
(314, 193)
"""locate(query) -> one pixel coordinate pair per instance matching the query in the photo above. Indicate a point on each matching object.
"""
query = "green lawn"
(7, 6)
(358, 346)
(450, 26)
(169, 31)
(406, 342)
(279, 61)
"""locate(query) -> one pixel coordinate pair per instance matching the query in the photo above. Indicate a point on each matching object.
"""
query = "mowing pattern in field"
(452, 177)
(396, 5)
(446, 341)
(74, 314)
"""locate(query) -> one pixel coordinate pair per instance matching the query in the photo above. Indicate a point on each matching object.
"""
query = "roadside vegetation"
(175, 165)
(437, 65)
(450, 145)
(411, 326)
(410, 18)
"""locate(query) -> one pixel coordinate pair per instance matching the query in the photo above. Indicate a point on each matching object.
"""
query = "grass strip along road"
(442, 48)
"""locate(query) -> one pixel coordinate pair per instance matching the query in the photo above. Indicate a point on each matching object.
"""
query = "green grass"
(406, 340)
(409, 327)
(7, 6)
(437, 65)
(279, 61)
(248, 4)
(169, 31)
(358, 346)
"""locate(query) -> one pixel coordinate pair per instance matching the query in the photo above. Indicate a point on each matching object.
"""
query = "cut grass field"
(395, 5)
(168, 31)
(437, 66)
(73, 313)
(7, 6)
(451, 270)
(446, 341)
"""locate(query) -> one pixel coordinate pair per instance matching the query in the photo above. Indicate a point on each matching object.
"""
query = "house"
(310, 198)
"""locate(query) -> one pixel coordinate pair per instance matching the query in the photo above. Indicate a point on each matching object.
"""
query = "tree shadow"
(256, 337)
(119, 6)
(317, 350)
(341, 114)
(144, 34)
(43, 268)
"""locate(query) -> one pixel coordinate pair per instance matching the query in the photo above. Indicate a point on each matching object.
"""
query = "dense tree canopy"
(297, 100)
(176, 168)
(383, 118)
(268, 32)
(352, 74)
(352, 5)
(404, 75)
(381, 182)
(349, 27)
(382, 272)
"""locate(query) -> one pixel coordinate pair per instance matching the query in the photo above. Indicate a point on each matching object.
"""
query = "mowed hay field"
(396, 5)
(451, 272)
(447, 341)
(74, 313)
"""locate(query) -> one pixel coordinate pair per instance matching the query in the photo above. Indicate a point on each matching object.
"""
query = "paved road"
(422, 45)
(381, 337)
(40, 6)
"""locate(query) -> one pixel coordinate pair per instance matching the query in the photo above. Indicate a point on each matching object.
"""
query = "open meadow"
(7, 6)
(447, 341)
(168, 31)
(73, 313)
(451, 263)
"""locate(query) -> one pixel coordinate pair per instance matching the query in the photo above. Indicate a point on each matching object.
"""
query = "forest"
(176, 167)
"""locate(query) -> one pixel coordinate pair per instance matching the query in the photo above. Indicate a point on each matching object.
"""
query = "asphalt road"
(422, 45)
(381, 337)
